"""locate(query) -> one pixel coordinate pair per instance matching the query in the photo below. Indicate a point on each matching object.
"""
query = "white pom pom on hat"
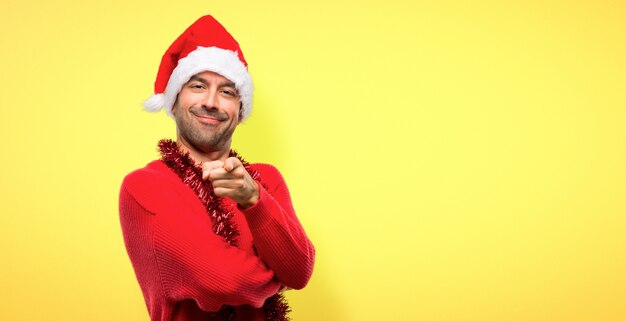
(203, 46)
(154, 103)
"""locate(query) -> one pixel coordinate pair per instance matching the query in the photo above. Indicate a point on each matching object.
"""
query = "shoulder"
(152, 185)
(270, 177)
(145, 178)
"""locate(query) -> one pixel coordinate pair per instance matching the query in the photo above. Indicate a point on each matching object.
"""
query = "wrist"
(254, 198)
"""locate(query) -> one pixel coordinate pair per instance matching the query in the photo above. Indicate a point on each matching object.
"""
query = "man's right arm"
(190, 261)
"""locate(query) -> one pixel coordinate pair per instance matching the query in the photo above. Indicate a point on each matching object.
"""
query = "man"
(210, 237)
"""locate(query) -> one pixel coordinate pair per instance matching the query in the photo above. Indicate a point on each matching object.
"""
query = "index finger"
(207, 167)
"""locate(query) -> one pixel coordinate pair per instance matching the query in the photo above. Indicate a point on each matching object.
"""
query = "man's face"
(207, 112)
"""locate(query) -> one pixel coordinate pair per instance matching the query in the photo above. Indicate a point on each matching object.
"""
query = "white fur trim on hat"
(154, 103)
(221, 61)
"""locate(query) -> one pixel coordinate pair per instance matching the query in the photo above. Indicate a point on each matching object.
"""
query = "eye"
(229, 92)
(196, 86)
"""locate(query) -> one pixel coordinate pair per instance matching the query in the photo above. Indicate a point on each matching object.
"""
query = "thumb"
(231, 163)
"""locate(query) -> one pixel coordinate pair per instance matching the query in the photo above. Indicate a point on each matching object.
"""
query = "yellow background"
(454, 160)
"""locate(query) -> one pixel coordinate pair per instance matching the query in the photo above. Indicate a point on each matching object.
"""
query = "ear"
(175, 105)
(240, 111)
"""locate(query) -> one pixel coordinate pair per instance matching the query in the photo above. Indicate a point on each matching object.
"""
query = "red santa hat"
(204, 46)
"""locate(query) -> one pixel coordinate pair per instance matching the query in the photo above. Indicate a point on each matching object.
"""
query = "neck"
(201, 156)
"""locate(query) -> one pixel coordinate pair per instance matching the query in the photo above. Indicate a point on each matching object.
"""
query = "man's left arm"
(278, 236)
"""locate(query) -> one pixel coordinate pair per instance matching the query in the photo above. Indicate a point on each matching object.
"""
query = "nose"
(211, 100)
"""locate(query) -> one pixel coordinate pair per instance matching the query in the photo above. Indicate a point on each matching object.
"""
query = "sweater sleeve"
(189, 260)
(279, 237)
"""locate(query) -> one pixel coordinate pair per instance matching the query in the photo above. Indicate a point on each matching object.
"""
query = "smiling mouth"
(209, 117)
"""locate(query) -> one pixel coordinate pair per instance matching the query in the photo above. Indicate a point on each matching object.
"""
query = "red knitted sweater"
(185, 270)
